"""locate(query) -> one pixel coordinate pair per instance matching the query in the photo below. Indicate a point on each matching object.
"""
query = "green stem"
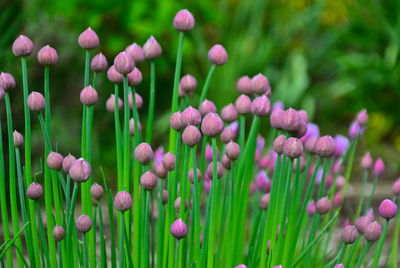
(121, 241)
(103, 251)
(160, 230)
(126, 133)
(196, 212)
(85, 251)
(118, 143)
(149, 129)
(363, 254)
(378, 251)
(207, 84)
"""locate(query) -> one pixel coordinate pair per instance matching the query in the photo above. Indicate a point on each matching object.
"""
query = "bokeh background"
(329, 57)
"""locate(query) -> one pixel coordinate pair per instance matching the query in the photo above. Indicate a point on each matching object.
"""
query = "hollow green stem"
(207, 84)
(196, 212)
(122, 241)
(85, 251)
(378, 251)
(364, 252)
(149, 130)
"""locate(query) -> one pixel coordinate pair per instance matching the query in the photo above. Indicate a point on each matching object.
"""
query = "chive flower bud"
(264, 202)
(339, 265)
(7, 81)
(18, 139)
(178, 229)
(152, 49)
(97, 191)
(337, 200)
(396, 187)
(325, 146)
(35, 191)
(88, 39)
(379, 167)
(22, 46)
(372, 231)
(210, 170)
(89, 96)
(144, 153)
(260, 106)
(241, 266)
(123, 201)
(114, 76)
(226, 162)
(275, 118)
(176, 121)
(290, 120)
(177, 204)
(229, 113)
(311, 209)
(160, 170)
(188, 84)
(362, 117)
(367, 161)
(191, 116)
(218, 55)
(136, 52)
(212, 125)
(362, 222)
(184, 20)
(387, 209)
(169, 161)
(242, 104)
(243, 85)
(83, 223)
(135, 77)
(323, 206)
(293, 148)
(55, 160)
(47, 56)
(80, 170)
(138, 98)
(67, 162)
(36, 101)
(191, 136)
(58, 233)
(310, 144)
(279, 144)
(164, 196)
(191, 174)
(232, 150)
(110, 103)
(2, 94)
(207, 107)
(124, 63)
(148, 181)
(260, 85)
(227, 135)
(99, 63)
(349, 234)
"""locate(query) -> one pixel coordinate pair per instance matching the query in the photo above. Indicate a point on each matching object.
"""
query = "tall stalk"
(149, 130)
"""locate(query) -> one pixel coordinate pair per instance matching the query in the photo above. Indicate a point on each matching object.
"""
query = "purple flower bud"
(83, 223)
(290, 120)
(341, 145)
(241, 266)
(7, 81)
(312, 131)
(191, 136)
(2, 94)
(88, 39)
(191, 116)
(169, 161)
(349, 234)
(176, 121)
(337, 200)
(260, 106)
(35, 191)
(158, 155)
(210, 170)
(362, 117)
(110, 103)
(114, 76)
(372, 231)
(164, 197)
(311, 209)
(136, 52)
(55, 160)
(191, 175)
(243, 85)
(97, 191)
(178, 229)
(325, 146)
(229, 113)
(124, 63)
(177, 204)
(135, 77)
(138, 98)
(264, 202)
(99, 63)
(217, 55)
(396, 187)
(212, 125)
(227, 135)
(22, 46)
(362, 222)
(226, 162)
(67, 162)
(122, 201)
(301, 130)
(232, 150)
(323, 206)
(18, 139)
(242, 104)
(89, 96)
(262, 181)
(80, 170)
(355, 130)
(303, 115)
(293, 148)
(144, 153)
(387, 209)
(148, 181)
(58, 233)
(152, 49)
(275, 118)
(367, 161)
(207, 107)
(379, 167)
(36, 101)
(47, 56)
(188, 84)
(310, 144)
(184, 21)
(260, 85)
(160, 170)
(338, 266)
(279, 144)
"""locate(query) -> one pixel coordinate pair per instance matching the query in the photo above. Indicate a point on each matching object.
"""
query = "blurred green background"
(329, 57)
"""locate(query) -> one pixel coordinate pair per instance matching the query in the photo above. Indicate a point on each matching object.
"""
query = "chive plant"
(219, 197)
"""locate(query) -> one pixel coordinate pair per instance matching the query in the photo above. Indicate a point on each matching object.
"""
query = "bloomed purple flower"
(158, 155)
(235, 127)
(312, 130)
(341, 145)
(278, 104)
(262, 181)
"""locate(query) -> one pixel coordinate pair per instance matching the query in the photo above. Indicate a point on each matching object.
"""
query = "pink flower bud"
(22, 46)
(89, 96)
(301, 130)
(36, 101)
(229, 113)
(226, 162)
(136, 52)
(177, 204)
(191, 175)
(279, 144)
(99, 63)
(58, 233)
(337, 200)
(227, 135)
(243, 85)
(47, 56)
(323, 206)
(135, 77)
(260, 106)
(144, 153)
(241, 266)
(152, 49)
(191, 116)
(35, 191)
(176, 121)
(138, 98)
(124, 63)
(67, 162)
(232, 150)
(387, 209)
(148, 181)
(362, 222)
(362, 117)
(207, 107)
(123, 201)
(160, 170)
(88, 39)
(178, 229)
(303, 115)
(97, 191)
(311, 209)
(191, 136)
(113, 75)
(80, 170)
(54, 160)
(169, 161)
(242, 104)
(290, 120)
(18, 139)
(372, 231)
(264, 202)
(338, 266)
(293, 148)
(7, 81)
(396, 187)
(379, 167)
(184, 21)
(367, 161)
(212, 125)
(210, 170)
(110, 103)
(188, 84)
(310, 144)
(275, 118)
(260, 85)
(83, 223)
(355, 130)
(217, 55)
(164, 197)
(325, 146)
(349, 234)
